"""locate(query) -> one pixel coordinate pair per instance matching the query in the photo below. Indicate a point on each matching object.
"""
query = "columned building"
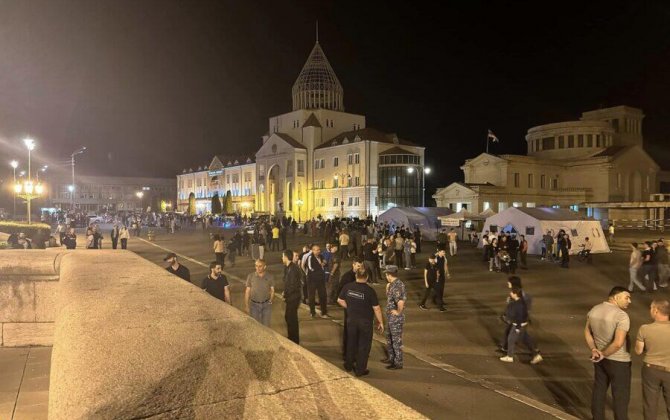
(599, 158)
(316, 160)
(319, 160)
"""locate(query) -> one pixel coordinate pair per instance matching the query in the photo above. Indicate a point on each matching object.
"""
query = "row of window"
(351, 202)
(352, 159)
(570, 141)
(399, 159)
(531, 181)
(351, 182)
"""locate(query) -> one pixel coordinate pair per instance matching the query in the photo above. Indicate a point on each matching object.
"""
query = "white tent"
(487, 213)
(535, 222)
(426, 218)
(458, 220)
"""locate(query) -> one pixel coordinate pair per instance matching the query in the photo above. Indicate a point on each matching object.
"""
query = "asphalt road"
(452, 370)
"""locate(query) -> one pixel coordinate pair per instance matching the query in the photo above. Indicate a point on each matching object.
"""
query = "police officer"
(396, 296)
(360, 302)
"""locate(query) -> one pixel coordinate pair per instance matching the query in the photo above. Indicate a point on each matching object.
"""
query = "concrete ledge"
(137, 342)
(20, 334)
(28, 286)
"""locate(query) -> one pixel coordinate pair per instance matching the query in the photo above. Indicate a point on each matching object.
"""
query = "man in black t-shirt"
(361, 303)
(216, 284)
(431, 279)
(176, 268)
(649, 270)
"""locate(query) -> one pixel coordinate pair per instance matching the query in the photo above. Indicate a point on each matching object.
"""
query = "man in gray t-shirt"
(606, 334)
(259, 293)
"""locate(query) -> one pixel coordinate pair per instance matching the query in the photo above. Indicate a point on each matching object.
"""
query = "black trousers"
(437, 294)
(617, 374)
(359, 342)
(124, 243)
(314, 285)
(291, 317)
(220, 258)
(114, 243)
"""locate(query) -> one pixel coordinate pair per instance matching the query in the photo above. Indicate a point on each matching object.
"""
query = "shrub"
(31, 230)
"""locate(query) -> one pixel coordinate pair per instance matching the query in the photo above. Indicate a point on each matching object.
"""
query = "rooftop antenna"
(317, 31)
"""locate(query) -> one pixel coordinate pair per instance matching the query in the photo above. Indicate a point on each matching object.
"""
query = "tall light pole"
(139, 195)
(424, 171)
(30, 145)
(299, 202)
(72, 190)
(340, 178)
(14, 164)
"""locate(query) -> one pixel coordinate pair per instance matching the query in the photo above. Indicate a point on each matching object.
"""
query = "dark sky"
(152, 87)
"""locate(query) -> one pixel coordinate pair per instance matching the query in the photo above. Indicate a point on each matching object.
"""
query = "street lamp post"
(28, 186)
(299, 202)
(14, 164)
(139, 195)
(29, 192)
(340, 178)
(425, 171)
(73, 188)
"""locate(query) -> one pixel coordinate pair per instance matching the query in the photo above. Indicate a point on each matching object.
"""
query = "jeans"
(516, 334)
(654, 382)
(373, 271)
(617, 374)
(261, 312)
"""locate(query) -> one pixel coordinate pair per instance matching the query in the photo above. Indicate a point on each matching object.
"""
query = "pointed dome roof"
(317, 85)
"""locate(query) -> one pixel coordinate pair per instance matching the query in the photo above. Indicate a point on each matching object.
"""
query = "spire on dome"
(317, 85)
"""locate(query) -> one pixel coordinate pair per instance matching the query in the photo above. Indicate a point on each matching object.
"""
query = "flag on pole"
(493, 137)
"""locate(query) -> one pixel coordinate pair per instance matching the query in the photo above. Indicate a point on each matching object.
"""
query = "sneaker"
(507, 359)
(393, 367)
(312, 315)
(490, 269)
(423, 307)
(407, 268)
(443, 309)
(536, 359)
(325, 316)
(365, 372)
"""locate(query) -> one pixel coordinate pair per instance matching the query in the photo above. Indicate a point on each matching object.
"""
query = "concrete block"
(18, 297)
(34, 262)
(28, 334)
(45, 301)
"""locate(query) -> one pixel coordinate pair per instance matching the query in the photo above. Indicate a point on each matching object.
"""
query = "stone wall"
(133, 341)
(28, 285)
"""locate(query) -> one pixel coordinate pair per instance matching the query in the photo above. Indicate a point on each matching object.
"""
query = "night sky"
(151, 87)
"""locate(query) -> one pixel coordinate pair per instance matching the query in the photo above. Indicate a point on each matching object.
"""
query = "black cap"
(170, 255)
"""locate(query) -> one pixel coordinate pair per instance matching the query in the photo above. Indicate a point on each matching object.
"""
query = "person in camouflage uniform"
(395, 307)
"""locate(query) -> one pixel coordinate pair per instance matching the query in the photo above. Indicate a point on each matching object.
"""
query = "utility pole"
(73, 188)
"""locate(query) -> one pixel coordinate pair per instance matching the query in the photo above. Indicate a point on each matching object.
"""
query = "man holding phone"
(606, 334)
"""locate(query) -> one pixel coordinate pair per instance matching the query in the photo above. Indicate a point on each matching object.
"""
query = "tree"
(229, 203)
(216, 204)
(191, 204)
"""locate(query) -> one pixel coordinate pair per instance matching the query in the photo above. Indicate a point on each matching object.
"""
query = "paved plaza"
(453, 370)
(451, 365)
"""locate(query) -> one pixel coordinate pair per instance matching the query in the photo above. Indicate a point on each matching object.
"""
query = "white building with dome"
(320, 160)
(600, 158)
